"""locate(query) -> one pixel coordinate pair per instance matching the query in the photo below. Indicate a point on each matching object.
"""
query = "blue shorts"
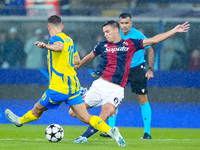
(52, 99)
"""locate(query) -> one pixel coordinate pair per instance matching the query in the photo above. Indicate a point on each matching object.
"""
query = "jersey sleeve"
(138, 44)
(140, 35)
(97, 49)
(56, 39)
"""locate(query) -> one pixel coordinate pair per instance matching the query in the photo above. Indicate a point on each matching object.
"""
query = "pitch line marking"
(96, 139)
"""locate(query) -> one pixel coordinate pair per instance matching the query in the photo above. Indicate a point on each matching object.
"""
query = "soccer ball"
(54, 133)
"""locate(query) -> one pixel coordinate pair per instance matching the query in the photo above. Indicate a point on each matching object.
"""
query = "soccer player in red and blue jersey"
(137, 74)
(113, 69)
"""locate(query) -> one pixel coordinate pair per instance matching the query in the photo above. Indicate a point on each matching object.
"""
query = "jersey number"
(71, 55)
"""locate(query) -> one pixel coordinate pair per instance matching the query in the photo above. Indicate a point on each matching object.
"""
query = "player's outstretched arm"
(163, 36)
(85, 60)
(53, 47)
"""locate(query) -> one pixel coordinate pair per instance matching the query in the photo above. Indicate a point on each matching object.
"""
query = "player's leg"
(33, 114)
(92, 98)
(42, 105)
(30, 116)
(111, 123)
(83, 115)
(106, 111)
(116, 95)
(112, 119)
(71, 112)
(146, 115)
(89, 132)
(82, 92)
(111, 96)
(95, 121)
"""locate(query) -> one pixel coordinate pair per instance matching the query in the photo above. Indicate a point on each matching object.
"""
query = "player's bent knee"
(106, 111)
(71, 113)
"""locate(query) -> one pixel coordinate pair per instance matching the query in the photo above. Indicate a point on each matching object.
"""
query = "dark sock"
(89, 132)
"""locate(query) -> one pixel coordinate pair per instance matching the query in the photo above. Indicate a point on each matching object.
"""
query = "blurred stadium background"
(174, 91)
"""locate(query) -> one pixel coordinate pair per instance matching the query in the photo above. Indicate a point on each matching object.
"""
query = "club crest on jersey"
(125, 43)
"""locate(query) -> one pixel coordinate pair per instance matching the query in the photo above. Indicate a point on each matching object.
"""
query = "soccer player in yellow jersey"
(63, 83)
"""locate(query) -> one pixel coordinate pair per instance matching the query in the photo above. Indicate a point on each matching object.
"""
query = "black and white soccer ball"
(54, 133)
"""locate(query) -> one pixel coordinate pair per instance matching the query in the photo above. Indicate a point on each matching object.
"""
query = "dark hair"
(112, 23)
(124, 15)
(54, 19)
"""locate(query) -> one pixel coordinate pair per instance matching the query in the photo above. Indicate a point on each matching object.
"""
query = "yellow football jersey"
(62, 76)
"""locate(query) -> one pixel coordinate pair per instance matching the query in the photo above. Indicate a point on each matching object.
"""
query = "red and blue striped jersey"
(116, 59)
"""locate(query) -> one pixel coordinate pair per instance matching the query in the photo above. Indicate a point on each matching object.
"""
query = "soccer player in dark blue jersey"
(113, 69)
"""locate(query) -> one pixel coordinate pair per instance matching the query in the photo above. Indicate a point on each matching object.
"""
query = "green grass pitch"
(32, 137)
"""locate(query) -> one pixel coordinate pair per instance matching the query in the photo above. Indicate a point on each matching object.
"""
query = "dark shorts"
(138, 80)
(52, 99)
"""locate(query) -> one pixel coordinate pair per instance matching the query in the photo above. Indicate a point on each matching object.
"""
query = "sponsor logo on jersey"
(116, 49)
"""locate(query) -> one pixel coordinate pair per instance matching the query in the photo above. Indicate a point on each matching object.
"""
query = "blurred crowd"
(18, 53)
(146, 8)
(175, 56)
(14, 53)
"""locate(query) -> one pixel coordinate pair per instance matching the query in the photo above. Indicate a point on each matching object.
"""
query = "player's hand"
(76, 67)
(149, 74)
(182, 28)
(40, 44)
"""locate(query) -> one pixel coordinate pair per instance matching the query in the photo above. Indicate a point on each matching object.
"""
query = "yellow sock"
(99, 124)
(28, 117)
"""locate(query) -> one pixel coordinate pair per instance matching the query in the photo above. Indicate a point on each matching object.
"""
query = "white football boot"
(115, 134)
(12, 117)
(80, 139)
